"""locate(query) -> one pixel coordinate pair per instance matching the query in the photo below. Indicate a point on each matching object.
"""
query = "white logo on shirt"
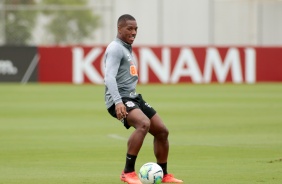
(129, 58)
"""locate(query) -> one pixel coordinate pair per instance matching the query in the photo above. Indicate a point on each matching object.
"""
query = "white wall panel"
(186, 22)
(234, 22)
(271, 23)
(199, 22)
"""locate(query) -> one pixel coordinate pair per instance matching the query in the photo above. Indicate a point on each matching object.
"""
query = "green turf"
(219, 134)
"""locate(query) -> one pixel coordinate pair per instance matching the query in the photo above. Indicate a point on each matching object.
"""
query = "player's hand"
(121, 111)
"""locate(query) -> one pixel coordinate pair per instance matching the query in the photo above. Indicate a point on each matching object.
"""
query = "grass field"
(219, 134)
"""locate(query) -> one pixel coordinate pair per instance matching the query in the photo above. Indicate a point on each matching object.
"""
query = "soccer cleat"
(169, 178)
(130, 178)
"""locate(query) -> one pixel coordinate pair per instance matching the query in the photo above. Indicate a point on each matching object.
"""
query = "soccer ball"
(151, 173)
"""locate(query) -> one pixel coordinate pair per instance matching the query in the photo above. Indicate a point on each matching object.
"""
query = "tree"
(71, 22)
(18, 22)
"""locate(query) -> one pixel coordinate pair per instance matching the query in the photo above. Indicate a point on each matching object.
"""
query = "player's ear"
(119, 29)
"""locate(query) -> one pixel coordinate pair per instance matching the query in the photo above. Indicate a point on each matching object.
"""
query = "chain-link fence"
(47, 22)
(93, 22)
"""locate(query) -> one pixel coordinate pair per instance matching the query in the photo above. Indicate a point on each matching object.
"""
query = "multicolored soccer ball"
(151, 173)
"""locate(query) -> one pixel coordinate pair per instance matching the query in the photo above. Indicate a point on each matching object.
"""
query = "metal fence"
(53, 24)
(202, 22)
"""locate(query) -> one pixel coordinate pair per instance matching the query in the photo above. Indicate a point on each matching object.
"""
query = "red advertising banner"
(165, 64)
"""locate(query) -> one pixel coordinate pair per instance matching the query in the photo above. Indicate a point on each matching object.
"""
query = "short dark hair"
(123, 18)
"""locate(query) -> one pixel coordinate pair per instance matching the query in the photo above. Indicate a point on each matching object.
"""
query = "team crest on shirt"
(129, 58)
(129, 104)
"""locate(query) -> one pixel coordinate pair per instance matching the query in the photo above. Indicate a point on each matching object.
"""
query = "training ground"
(219, 133)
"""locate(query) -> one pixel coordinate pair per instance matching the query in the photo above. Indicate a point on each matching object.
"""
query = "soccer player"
(125, 104)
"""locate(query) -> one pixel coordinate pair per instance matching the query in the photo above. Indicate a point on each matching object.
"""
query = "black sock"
(130, 163)
(164, 167)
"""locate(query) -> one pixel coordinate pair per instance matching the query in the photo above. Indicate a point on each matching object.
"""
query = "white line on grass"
(115, 136)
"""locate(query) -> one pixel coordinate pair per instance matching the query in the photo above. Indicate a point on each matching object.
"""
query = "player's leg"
(137, 119)
(161, 144)
(161, 147)
(158, 130)
(160, 133)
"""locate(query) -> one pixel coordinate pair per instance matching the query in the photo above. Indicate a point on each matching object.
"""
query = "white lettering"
(232, 61)
(186, 65)
(149, 59)
(186, 58)
(84, 65)
(250, 65)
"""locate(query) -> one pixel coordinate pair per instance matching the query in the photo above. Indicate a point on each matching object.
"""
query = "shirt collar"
(126, 45)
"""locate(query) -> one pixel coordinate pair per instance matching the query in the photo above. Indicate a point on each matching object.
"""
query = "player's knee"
(145, 125)
(163, 134)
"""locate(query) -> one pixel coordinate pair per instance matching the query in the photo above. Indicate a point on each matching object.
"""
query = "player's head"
(127, 28)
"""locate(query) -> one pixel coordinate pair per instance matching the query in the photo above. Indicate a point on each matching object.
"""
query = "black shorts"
(134, 103)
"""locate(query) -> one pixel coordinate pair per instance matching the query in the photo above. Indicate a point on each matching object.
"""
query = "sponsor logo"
(236, 65)
(7, 68)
